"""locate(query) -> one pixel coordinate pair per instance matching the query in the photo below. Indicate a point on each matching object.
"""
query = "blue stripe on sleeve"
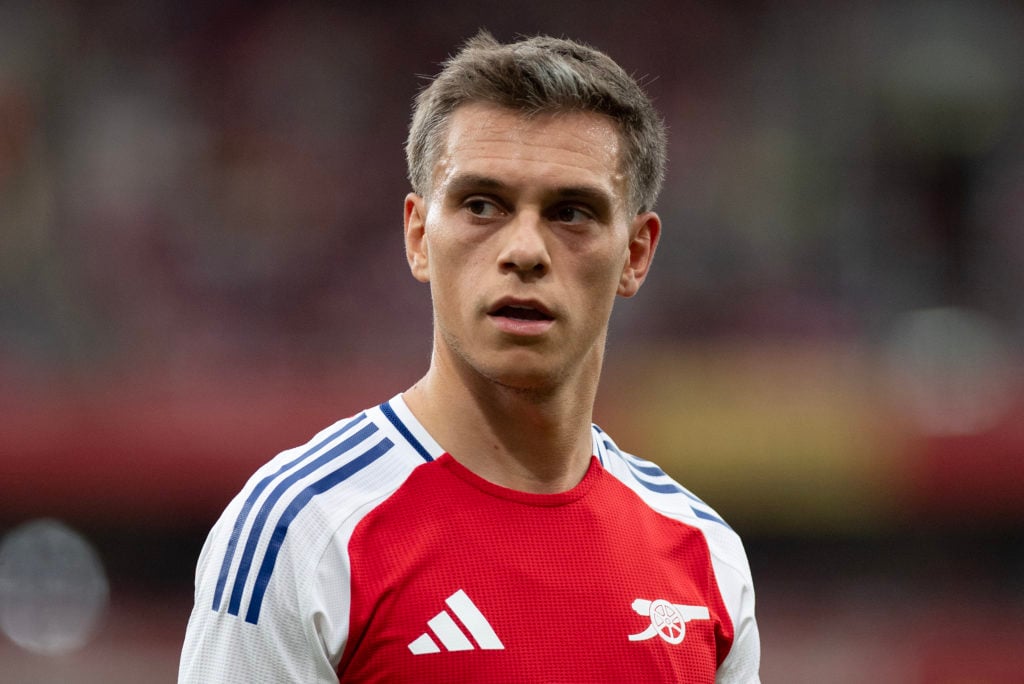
(261, 518)
(304, 497)
(236, 533)
(648, 468)
(666, 488)
(390, 414)
(708, 516)
(638, 468)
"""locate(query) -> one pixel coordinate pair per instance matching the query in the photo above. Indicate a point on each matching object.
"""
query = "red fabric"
(556, 576)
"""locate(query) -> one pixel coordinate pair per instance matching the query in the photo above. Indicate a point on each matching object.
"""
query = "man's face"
(526, 240)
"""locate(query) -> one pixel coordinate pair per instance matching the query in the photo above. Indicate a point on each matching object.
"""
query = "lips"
(523, 313)
(521, 310)
(522, 319)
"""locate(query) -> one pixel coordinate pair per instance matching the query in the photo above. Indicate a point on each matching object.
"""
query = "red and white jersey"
(370, 554)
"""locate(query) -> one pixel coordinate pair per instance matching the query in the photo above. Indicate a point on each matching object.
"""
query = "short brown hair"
(535, 75)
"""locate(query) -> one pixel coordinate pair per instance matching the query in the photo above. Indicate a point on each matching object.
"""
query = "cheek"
(450, 242)
(601, 272)
(454, 273)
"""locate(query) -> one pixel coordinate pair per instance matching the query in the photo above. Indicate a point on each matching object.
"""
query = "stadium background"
(201, 264)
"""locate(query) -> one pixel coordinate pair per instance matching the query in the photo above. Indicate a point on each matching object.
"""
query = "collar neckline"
(590, 478)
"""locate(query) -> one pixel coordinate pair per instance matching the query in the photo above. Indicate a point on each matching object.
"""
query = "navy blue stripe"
(390, 414)
(692, 496)
(636, 467)
(708, 516)
(651, 469)
(600, 456)
(289, 514)
(261, 518)
(661, 489)
(667, 488)
(236, 533)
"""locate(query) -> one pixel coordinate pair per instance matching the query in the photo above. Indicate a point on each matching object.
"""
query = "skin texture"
(526, 240)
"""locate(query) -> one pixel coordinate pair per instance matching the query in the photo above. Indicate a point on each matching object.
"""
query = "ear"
(415, 238)
(646, 231)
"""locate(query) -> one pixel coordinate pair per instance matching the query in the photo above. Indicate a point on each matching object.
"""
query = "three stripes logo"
(452, 637)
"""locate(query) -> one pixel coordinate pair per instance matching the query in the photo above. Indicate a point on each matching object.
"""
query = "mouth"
(522, 319)
(521, 311)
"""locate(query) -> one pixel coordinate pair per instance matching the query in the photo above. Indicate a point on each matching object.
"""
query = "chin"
(523, 377)
(528, 385)
(525, 369)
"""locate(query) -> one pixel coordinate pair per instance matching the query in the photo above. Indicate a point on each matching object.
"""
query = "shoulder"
(666, 496)
(276, 558)
(732, 573)
(293, 506)
(360, 457)
(660, 491)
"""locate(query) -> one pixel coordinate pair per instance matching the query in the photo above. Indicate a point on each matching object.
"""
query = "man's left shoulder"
(659, 490)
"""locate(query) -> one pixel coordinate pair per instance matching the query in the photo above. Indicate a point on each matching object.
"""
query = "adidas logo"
(452, 637)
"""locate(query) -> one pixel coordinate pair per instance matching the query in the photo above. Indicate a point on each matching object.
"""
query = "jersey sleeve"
(290, 640)
(735, 583)
(729, 559)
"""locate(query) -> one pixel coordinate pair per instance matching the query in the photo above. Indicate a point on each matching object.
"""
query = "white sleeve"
(282, 645)
(743, 663)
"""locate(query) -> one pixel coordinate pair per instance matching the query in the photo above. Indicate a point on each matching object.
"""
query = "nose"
(523, 249)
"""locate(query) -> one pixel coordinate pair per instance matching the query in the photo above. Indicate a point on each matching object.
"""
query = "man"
(478, 527)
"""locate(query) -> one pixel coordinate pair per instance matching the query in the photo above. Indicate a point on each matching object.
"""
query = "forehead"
(581, 148)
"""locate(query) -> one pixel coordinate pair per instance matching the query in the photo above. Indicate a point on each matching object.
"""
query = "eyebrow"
(472, 182)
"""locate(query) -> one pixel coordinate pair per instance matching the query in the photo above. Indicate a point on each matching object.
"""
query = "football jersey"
(372, 555)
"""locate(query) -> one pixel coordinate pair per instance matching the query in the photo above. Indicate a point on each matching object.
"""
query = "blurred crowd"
(214, 189)
(186, 183)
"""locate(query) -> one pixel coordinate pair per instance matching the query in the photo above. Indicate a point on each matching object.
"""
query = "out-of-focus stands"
(201, 263)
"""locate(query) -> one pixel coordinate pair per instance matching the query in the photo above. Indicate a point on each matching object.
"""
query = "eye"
(481, 208)
(571, 214)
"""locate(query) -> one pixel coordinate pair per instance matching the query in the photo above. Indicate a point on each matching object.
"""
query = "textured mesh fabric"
(556, 577)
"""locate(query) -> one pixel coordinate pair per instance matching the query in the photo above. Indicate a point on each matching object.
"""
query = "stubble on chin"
(535, 384)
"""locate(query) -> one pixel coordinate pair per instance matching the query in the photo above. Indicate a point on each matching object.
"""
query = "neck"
(533, 440)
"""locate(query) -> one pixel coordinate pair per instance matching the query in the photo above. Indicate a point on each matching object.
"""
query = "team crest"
(668, 620)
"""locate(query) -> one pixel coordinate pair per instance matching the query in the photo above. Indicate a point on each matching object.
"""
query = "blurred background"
(201, 264)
